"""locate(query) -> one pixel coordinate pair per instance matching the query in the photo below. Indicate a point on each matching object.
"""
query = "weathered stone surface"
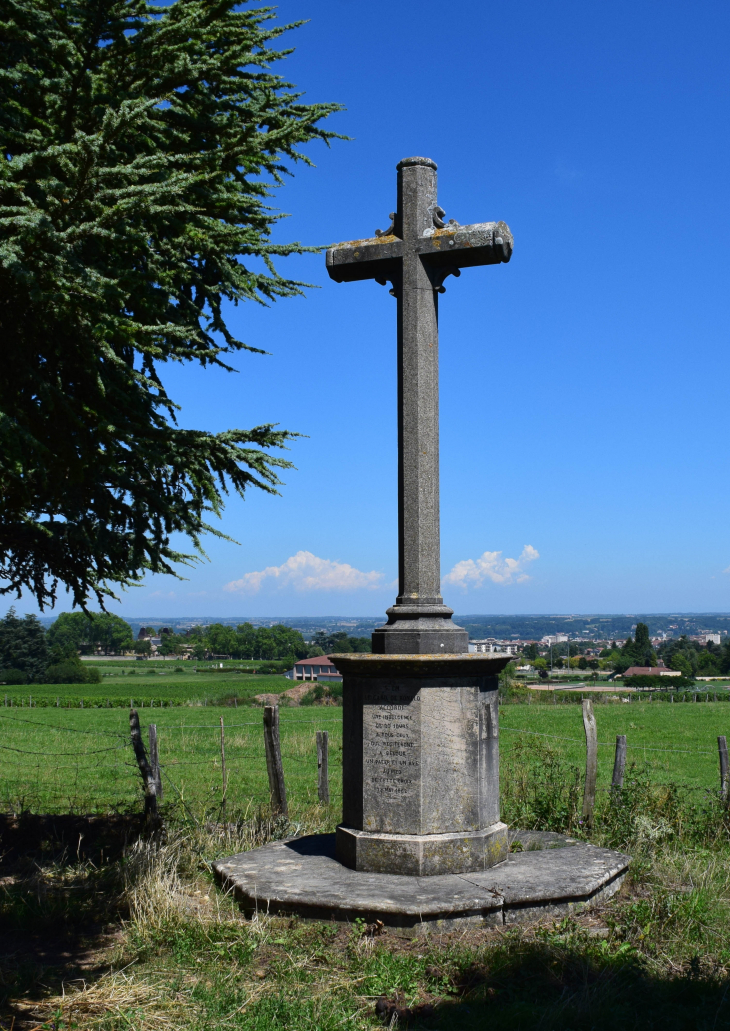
(420, 754)
(416, 253)
(302, 877)
(422, 855)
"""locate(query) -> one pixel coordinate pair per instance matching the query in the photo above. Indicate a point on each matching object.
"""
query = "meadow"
(673, 743)
(151, 683)
(139, 937)
(79, 760)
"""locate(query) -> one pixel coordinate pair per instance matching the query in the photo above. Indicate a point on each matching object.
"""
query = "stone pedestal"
(420, 777)
(420, 629)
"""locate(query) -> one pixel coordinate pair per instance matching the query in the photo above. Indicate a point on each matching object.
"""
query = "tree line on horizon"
(30, 654)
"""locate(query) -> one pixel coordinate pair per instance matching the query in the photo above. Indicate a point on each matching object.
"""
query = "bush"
(13, 676)
(664, 682)
(324, 693)
(71, 671)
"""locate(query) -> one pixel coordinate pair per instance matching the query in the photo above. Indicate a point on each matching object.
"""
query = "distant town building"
(319, 668)
(554, 639)
(706, 638)
(492, 645)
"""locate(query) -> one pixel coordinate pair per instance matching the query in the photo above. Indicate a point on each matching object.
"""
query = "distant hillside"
(601, 627)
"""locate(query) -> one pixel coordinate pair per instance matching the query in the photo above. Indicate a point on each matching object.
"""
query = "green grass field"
(146, 683)
(174, 954)
(61, 760)
(678, 743)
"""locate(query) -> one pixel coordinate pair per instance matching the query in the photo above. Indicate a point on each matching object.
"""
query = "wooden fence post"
(724, 770)
(148, 780)
(223, 762)
(589, 791)
(155, 759)
(619, 763)
(323, 779)
(274, 768)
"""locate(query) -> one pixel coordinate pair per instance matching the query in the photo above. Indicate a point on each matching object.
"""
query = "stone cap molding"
(459, 664)
(405, 162)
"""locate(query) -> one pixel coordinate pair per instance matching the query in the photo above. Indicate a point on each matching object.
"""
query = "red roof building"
(651, 671)
(318, 668)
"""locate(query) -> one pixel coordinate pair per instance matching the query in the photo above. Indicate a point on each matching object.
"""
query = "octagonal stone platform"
(553, 876)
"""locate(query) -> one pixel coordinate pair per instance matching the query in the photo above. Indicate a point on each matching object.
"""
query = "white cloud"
(306, 572)
(491, 566)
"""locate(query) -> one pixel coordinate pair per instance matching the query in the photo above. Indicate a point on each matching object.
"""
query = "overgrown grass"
(657, 956)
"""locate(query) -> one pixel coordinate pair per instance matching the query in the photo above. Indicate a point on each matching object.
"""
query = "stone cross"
(416, 254)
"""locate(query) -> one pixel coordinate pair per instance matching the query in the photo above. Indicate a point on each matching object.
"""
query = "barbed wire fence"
(145, 765)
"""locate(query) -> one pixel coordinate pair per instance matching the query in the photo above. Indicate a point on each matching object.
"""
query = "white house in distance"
(319, 668)
(491, 644)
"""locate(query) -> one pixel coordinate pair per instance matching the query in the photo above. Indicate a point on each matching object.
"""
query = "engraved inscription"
(391, 758)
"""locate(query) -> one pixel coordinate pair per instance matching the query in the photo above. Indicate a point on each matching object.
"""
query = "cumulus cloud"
(306, 572)
(491, 567)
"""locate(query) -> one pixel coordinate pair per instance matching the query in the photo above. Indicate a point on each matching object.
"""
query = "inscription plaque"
(391, 758)
(420, 776)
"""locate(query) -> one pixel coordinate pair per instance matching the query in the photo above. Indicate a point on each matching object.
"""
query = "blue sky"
(584, 386)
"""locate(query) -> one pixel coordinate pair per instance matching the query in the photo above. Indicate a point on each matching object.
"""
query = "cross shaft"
(415, 254)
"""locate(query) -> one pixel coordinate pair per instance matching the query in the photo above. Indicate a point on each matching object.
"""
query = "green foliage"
(654, 957)
(77, 631)
(13, 676)
(637, 651)
(172, 644)
(249, 642)
(663, 682)
(72, 671)
(694, 659)
(337, 642)
(540, 789)
(23, 646)
(140, 145)
(326, 693)
(642, 642)
(68, 634)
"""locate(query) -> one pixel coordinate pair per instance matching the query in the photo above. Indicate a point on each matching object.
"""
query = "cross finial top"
(416, 161)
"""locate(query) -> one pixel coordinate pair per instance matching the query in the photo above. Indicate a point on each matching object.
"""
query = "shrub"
(13, 676)
(323, 693)
(72, 671)
(664, 682)
(541, 790)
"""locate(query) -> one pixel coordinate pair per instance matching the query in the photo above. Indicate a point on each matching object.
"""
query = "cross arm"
(375, 258)
(484, 243)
